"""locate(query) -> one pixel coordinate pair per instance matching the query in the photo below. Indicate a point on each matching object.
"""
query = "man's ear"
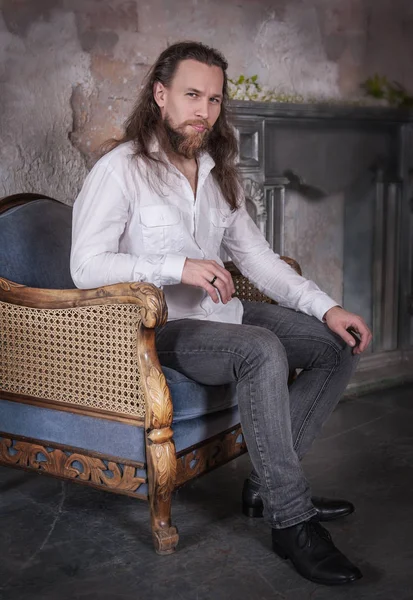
(159, 93)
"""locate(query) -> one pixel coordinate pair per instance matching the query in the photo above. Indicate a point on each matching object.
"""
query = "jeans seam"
(264, 467)
(311, 338)
(312, 408)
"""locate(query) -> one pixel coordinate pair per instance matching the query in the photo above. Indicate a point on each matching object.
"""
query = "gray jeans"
(279, 422)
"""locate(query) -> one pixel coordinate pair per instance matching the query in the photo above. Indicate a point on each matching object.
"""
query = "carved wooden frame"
(209, 454)
(50, 458)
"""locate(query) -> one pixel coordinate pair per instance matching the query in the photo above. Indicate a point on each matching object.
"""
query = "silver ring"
(213, 280)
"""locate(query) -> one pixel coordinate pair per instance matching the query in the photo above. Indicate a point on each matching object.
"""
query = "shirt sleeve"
(253, 256)
(100, 215)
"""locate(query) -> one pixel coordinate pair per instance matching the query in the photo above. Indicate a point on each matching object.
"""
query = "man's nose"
(202, 110)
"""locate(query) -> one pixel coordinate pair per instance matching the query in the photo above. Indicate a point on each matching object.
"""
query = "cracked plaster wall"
(70, 69)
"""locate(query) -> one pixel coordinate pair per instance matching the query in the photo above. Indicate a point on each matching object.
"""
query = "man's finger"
(224, 290)
(226, 281)
(364, 335)
(216, 268)
(365, 339)
(211, 290)
(222, 280)
(346, 336)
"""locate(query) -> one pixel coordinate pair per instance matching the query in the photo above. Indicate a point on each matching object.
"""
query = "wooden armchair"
(82, 394)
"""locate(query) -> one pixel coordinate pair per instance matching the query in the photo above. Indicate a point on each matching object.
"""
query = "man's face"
(190, 106)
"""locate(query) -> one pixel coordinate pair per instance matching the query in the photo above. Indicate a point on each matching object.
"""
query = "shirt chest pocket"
(219, 221)
(162, 228)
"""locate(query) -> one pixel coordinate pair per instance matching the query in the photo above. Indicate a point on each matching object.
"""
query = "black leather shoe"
(327, 510)
(311, 550)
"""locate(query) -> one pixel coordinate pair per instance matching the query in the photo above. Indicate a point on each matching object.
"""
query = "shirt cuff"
(321, 305)
(171, 271)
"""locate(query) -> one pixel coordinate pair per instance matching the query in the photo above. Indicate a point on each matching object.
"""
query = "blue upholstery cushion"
(103, 435)
(35, 240)
(71, 429)
(192, 400)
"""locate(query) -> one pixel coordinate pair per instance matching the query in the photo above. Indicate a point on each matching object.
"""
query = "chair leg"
(160, 451)
(161, 480)
(165, 536)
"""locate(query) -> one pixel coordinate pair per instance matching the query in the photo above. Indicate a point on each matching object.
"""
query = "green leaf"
(376, 86)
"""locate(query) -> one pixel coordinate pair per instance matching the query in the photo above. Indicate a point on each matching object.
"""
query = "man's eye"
(215, 100)
(192, 94)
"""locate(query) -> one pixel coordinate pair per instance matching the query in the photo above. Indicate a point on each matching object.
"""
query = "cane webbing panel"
(85, 356)
(244, 290)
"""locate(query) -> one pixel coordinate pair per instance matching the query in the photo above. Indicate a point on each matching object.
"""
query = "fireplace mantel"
(324, 111)
(332, 186)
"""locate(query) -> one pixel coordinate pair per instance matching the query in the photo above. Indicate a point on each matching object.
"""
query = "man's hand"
(200, 273)
(339, 321)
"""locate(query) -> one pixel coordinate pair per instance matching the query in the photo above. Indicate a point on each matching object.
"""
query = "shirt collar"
(205, 161)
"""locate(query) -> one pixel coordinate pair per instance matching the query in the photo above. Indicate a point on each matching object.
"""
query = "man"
(157, 208)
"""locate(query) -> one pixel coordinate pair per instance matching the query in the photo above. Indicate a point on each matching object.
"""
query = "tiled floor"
(61, 541)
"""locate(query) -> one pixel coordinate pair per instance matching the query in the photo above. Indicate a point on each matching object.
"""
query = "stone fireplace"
(331, 187)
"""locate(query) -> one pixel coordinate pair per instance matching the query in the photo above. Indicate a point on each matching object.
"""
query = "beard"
(188, 145)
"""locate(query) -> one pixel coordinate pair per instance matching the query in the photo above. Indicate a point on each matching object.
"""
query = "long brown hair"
(143, 122)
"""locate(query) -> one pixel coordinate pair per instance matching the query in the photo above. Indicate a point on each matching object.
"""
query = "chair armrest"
(148, 297)
(84, 350)
(245, 290)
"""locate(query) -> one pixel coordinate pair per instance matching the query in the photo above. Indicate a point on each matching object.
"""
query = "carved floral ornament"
(219, 451)
(70, 465)
(154, 311)
(160, 397)
(164, 458)
(161, 449)
(7, 285)
(255, 193)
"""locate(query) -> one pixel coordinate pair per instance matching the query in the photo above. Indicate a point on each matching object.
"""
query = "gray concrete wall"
(70, 69)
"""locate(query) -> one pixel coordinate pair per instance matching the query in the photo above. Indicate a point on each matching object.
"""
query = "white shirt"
(125, 230)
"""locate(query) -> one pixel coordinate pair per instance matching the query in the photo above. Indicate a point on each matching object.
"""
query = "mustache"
(203, 122)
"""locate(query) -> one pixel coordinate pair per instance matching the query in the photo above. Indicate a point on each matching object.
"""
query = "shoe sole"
(282, 554)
